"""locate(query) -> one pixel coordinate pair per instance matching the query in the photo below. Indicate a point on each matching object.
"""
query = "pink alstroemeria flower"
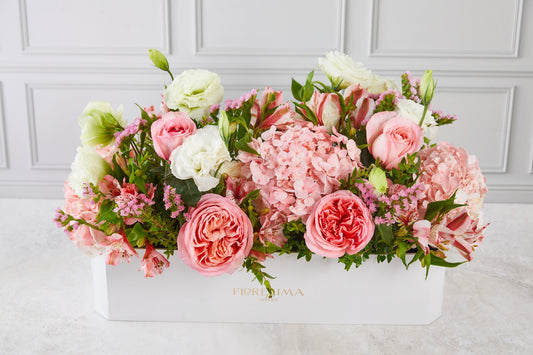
(153, 263)
(421, 230)
(117, 248)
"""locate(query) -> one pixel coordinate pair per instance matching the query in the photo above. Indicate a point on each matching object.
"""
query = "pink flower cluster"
(236, 104)
(130, 204)
(297, 166)
(172, 201)
(130, 130)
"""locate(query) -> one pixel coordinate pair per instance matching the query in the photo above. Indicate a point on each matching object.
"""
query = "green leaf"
(385, 232)
(242, 144)
(106, 213)
(186, 188)
(136, 234)
(435, 260)
(440, 208)
(296, 89)
(417, 256)
(402, 250)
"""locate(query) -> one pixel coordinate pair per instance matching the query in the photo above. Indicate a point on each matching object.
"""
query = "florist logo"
(263, 293)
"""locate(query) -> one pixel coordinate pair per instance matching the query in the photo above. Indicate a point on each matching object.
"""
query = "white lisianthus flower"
(99, 122)
(339, 66)
(194, 92)
(199, 157)
(88, 167)
(413, 111)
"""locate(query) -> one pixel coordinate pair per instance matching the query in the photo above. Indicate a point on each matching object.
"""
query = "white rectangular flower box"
(320, 291)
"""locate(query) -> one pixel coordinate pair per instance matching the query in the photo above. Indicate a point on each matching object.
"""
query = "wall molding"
(27, 48)
(30, 104)
(509, 92)
(512, 52)
(4, 163)
(200, 49)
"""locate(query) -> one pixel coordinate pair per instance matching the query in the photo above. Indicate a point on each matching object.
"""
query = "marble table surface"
(46, 302)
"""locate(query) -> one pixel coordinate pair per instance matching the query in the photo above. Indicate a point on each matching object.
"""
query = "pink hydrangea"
(298, 165)
(446, 169)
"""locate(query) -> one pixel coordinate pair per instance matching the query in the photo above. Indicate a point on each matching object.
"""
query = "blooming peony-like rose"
(391, 138)
(327, 109)
(339, 223)
(88, 167)
(199, 156)
(194, 92)
(170, 131)
(338, 65)
(413, 111)
(216, 238)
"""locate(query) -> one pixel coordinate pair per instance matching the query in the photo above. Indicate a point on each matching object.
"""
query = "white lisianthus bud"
(88, 167)
(199, 157)
(99, 123)
(194, 92)
(378, 179)
(427, 87)
(159, 60)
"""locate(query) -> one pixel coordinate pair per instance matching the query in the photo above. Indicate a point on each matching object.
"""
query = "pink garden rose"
(339, 223)
(170, 131)
(391, 138)
(153, 263)
(217, 236)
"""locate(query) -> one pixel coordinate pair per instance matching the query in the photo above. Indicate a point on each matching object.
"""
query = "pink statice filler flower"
(339, 223)
(172, 200)
(130, 203)
(298, 164)
(117, 249)
(153, 263)
(217, 236)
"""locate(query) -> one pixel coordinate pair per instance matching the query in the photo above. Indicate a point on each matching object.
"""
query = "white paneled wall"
(56, 55)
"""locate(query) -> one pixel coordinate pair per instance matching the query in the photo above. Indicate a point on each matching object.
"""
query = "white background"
(56, 55)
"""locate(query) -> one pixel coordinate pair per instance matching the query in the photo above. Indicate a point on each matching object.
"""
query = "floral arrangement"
(346, 170)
